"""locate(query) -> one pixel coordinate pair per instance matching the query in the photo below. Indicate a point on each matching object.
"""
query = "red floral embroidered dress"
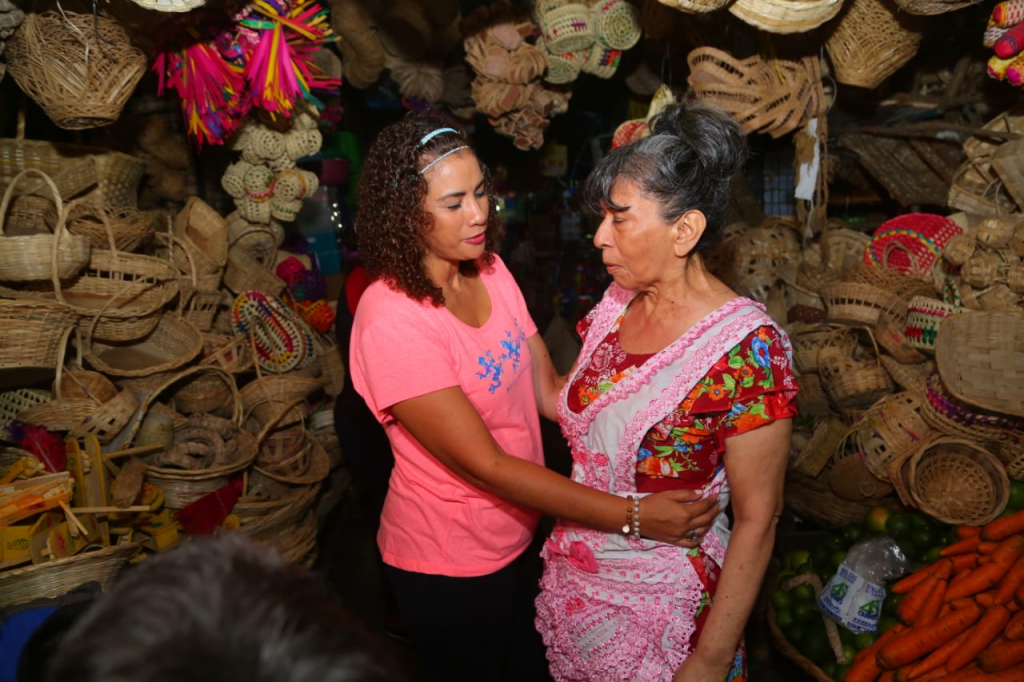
(746, 382)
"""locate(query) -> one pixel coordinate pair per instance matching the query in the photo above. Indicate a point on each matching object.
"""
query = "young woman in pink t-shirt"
(446, 356)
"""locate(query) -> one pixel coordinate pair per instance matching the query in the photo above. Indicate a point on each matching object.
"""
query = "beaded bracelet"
(632, 526)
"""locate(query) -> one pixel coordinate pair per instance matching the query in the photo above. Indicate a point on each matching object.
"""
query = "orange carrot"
(986, 599)
(989, 626)
(1015, 628)
(905, 585)
(910, 607)
(918, 642)
(980, 579)
(946, 608)
(1011, 582)
(1009, 550)
(936, 674)
(887, 676)
(965, 546)
(937, 659)
(865, 666)
(933, 603)
(1000, 656)
(1003, 527)
(987, 547)
(964, 532)
(962, 561)
(962, 603)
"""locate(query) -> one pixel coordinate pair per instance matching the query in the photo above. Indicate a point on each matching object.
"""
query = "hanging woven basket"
(785, 16)
(871, 40)
(80, 68)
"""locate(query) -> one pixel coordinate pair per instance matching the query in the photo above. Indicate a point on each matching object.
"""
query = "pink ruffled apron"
(611, 607)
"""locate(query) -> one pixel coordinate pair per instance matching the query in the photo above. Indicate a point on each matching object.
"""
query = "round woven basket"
(566, 28)
(948, 416)
(34, 333)
(812, 498)
(80, 68)
(890, 427)
(130, 226)
(850, 383)
(205, 234)
(173, 342)
(617, 23)
(31, 257)
(58, 577)
(870, 42)
(931, 7)
(921, 236)
(785, 16)
(958, 482)
(855, 303)
(978, 356)
(809, 340)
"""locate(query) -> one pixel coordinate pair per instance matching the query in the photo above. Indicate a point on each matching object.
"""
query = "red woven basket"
(922, 234)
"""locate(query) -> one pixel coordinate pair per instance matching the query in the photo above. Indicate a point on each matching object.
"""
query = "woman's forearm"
(746, 559)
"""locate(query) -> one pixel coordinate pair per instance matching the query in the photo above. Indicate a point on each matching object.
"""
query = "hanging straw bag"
(980, 358)
(31, 258)
(80, 68)
(870, 42)
(785, 16)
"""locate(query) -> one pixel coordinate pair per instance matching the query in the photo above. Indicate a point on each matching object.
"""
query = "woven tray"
(957, 481)
(980, 357)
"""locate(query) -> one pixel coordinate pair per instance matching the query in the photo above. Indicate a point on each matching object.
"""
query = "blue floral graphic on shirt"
(493, 368)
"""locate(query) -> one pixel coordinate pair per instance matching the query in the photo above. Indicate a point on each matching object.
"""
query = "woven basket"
(266, 398)
(813, 499)
(617, 24)
(812, 400)
(809, 341)
(230, 353)
(60, 576)
(34, 333)
(870, 42)
(959, 249)
(31, 258)
(996, 231)
(957, 481)
(80, 68)
(785, 16)
(566, 28)
(13, 403)
(890, 333)
(695, 6)
(859, 304)
(205, 234)
(818, 451)
(931, 7)
(910, 378)
(852, 384)
(173, 342)
(130, 227)
(925, 314)
(948, 416)
(890, 427)
(281, 341)
(922, 237)
(976, 188)
(980, 358)
(318, 468)
(245, 273)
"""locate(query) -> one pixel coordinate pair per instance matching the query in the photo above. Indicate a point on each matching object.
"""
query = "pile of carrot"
(961, 618)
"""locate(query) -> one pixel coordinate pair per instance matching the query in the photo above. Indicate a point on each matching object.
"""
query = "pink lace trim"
(575, 424)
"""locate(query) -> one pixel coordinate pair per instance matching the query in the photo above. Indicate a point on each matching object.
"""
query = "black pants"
(475, 629)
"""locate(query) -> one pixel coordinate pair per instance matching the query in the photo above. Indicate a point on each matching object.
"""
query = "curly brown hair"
(391, 222)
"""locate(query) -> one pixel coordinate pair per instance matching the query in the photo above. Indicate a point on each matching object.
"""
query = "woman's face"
(636, 245)
(457, 198)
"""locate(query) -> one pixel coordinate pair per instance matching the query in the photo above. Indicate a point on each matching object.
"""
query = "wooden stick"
(138, 450)
(74, 524)
(112, 510)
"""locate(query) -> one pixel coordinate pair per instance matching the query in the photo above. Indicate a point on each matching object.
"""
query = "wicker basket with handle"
(871, 40)
(31, 257)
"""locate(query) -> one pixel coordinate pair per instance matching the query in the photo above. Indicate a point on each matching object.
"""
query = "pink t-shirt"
(433, 521)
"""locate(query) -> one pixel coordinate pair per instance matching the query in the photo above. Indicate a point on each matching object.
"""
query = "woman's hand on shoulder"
(672, 515)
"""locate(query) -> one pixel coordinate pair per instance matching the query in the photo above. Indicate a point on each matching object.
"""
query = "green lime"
(837, 557)
(806, 612)
(850, 651)
(862, 640)
(892, 602)
(919, 520)
(784, 619)
(845, 636)
(829, 668)
(885, 623)
(852, 532)
(815, 646)
(834, 542)
(923, 539)
(782, 601)
(796, 557)
(898, 525)
(841, 672)
(795, 633)
(820, 555)
(784, 575)
(1016, 495)
(803, 593)
(805, 568)
(932, 555)
(877, 518)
